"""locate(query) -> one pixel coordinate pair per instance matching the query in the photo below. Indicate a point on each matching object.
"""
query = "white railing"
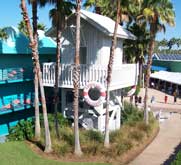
(123, 76)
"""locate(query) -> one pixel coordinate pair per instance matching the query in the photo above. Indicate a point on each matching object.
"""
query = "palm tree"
(76, 79)
(48, 145)
(156, 13)
(36, 99)
(136, 49)
(109, 73)
(98, 5)
(107, 8)
(58, 16)
(41, 26)
(22, 25)
(3, 34)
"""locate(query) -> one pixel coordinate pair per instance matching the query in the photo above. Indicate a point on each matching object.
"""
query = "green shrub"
(177, 160)
(67, 135)
(131, 113)
(136, 135)
(92, 148)
(62, 147)
(91, 135)
(178, 157)
(114, 135)
(51, 119)
(120, 148)
(145, 128)
(23, 130)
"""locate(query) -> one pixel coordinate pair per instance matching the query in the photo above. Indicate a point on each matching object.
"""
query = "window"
(83, 55)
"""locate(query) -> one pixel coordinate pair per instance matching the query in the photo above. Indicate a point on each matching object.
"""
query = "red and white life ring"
(132, 91)
(99, 87)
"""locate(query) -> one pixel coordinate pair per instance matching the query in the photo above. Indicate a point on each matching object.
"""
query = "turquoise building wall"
(16, 76)
(173, 66)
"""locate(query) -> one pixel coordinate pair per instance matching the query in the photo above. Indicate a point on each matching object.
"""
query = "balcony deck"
(122, 76)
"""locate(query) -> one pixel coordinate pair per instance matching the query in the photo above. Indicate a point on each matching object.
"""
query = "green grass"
(18, 153)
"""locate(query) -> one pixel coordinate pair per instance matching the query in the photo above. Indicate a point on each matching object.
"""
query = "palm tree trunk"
(37, 112)
(48, 144)
(140, 72)
(109, 74)
(57, 71)
(37, 64)
(76, 79)
(148, 71)
(36, 99)
(56, 89)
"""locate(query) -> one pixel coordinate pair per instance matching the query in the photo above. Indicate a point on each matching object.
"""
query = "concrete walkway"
(161, 150)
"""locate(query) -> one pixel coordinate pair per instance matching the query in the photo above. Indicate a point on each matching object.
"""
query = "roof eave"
(123, 36)
(50, 31)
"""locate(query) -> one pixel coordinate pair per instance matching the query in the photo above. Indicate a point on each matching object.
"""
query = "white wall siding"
(90, 37)
(119, 53)
(105, 50)
(68, 50)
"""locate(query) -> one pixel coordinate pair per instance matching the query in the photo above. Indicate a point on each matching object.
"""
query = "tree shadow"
(173, 155)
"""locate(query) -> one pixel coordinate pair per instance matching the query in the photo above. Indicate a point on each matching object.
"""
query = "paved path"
(164, 145)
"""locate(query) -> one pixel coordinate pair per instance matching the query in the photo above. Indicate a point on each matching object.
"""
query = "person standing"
(166, 99)
(175, 96)
(152, 99)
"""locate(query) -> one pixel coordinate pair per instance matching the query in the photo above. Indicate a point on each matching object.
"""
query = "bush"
(92, 148)
(61, 147)
(177, 161)
(67, 135)
(23, 130)
(63, 122)
(120, 148)
(131, 113)
(136, 135)
(114, 135)
(91, 135)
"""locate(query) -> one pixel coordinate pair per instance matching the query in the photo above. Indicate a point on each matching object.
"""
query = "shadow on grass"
(38, 144)
(173, 155)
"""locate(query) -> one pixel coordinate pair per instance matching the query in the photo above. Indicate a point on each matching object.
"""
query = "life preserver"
(87, 98)
(132, 91)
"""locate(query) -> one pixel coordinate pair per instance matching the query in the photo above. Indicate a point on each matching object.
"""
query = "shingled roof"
(167, 57)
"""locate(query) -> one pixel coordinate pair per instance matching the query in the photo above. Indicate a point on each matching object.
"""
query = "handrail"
(121, 75)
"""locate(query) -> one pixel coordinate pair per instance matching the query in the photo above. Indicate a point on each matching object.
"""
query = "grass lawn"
(17, 153)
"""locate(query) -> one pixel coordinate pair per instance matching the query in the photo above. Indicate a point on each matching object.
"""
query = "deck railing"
(122, 76)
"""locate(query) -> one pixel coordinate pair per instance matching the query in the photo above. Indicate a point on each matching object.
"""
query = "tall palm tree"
(157, 13)
(58, 15)
(36, 99)
(136, 49)
(124, 10)
(109, 72)
(48, 145)
(76, 79)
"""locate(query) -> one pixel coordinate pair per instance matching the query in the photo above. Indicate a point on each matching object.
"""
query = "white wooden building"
(96, 36)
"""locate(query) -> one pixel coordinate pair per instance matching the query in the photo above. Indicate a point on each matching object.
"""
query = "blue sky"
(173, 31)
(11, 16)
